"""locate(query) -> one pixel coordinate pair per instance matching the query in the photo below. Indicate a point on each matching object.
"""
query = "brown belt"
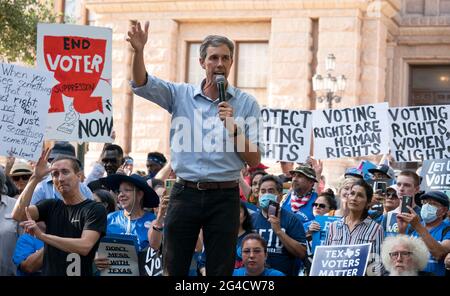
(209, 185)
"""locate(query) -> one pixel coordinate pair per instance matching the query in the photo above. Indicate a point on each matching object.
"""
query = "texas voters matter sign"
(349, 260)
(79, 57)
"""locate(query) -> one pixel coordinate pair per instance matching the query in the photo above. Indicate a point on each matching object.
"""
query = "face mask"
(265, 198)
(428, 213)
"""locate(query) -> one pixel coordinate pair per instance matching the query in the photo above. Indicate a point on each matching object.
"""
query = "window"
(251, 64)
(195, 72)
(430, 85)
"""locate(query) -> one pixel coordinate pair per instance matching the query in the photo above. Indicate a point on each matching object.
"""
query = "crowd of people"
(210, 211)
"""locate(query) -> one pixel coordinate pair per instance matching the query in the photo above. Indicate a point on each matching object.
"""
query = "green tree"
(18, 28)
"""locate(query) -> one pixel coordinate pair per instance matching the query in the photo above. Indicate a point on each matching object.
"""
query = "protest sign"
(79, 57)
(150, 262)
(346, 260)
(436, 175)
(419, 133)
(350, 132)
(286, 134)
(24, 101)
(318, 237)
(121, 250)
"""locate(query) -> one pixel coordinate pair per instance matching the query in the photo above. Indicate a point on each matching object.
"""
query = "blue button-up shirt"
(201, 149)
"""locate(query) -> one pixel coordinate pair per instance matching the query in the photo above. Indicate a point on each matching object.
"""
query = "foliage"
(18, 28)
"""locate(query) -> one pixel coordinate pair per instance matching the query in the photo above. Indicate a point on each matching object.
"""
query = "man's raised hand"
(138, 37)
(40, 169)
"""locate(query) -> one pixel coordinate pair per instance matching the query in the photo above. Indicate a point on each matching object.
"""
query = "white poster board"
(24, 101)
(420, 132)
(286, 134)
(79, 57)
(351, 132)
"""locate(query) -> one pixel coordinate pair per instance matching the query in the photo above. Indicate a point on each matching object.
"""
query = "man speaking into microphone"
(207, 120)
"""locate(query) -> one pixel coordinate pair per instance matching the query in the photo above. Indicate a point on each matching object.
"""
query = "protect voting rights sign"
(286, 134)
(79, 57)
(24, 101)
(349, 260)
(420, 133)
(351, 132)
(121, 250)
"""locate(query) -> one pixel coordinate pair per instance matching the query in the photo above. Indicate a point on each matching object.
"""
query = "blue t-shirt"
(267, 272)
(440, 233)
(118, 223)
(278, 256)
(305, 213)
(25, 246)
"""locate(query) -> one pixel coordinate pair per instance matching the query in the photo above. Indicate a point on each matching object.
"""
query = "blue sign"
(436, 175)
(318, 237)
(348, 260)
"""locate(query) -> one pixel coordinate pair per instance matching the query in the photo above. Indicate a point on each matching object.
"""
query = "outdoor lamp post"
(329, 87)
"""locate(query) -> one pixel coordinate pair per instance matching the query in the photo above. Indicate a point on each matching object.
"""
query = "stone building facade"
(378, 45)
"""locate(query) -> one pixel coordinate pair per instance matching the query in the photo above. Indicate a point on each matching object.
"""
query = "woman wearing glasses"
(324, 204)
(356, 227)
(134, 196)
(254, 255)
(403, 255)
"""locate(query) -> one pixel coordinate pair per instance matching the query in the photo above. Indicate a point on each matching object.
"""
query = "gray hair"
(420, 253)
(215, 41)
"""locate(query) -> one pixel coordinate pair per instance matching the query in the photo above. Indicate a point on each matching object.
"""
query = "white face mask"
(428, 213)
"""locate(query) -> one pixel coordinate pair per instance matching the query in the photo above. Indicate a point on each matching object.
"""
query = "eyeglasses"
(431, 202)
(255, 251)
(392, 195)
(322, 206)
(23, 177)
(403, 254)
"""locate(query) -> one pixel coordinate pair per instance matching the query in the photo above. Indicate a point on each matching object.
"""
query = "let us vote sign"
(346, 260)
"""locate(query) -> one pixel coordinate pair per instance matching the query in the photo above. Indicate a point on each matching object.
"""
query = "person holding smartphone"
(283, 230)
(433, 229)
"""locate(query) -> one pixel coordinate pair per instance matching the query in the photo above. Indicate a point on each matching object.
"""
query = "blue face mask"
(428, 213)
(265, 198)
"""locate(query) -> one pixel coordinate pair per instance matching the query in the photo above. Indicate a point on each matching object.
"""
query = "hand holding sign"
(137, 37)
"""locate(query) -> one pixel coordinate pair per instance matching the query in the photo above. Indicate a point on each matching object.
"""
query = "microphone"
(220, 80)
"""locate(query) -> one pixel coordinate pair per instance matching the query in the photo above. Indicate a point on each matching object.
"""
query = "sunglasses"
(318, 205)
(23, 177)
(392, 196)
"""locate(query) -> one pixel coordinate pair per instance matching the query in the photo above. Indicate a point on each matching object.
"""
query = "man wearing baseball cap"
(434, 230)
(302, 195)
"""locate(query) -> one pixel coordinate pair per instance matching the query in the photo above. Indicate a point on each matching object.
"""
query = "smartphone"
(273, 209)
(406, 201)
(379, 186)
(168, 184)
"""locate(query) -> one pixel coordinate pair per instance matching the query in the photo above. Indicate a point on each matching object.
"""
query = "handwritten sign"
(286, 134)
(346, 260)
(350, 132)
(420, 133)
(436, 175)
(319, 236)
(79, 57)
(121, 250)
(24, 100)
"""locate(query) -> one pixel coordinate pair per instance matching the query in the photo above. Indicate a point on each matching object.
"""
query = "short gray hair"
(420, 253)
(215, 41)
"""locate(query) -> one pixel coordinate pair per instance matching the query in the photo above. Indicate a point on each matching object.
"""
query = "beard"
(404, 273)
